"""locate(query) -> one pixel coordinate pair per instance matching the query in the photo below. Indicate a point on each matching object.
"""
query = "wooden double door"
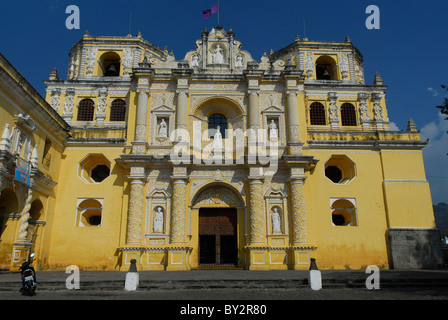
(218, 237)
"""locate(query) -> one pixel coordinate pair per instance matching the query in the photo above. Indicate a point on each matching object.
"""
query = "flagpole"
(218, 13)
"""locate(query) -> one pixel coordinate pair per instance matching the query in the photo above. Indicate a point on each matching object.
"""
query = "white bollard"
(314, 277)
(315, 280)
(132, 277)
(131, 283)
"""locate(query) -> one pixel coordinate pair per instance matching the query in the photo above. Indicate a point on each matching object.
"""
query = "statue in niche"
(239, 61)
(163, 129)
(217, 139)
(218, 57)
(276, 221)
(273, 132)
(195, 61)
(157, 225)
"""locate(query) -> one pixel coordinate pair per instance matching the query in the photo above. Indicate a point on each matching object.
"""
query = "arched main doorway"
(218, 209)
(218, 237)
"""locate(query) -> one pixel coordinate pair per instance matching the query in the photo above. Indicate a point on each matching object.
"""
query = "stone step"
(226, 284)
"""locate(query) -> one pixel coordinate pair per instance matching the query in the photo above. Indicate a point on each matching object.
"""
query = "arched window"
(317, 114)
(343, 212)
(348, 115)
(118, 110)
(89, 212)
(217, 120)
(86, 110)
(326, 68)
(110, 64)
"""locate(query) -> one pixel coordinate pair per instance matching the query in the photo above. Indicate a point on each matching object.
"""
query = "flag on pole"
(208, 12)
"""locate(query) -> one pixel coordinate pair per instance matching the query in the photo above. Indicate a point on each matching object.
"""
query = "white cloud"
(430, 131)
(436, 158)
(433, 91)
(393, 126)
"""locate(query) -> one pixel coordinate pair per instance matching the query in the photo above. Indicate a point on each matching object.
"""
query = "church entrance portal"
(218, 240)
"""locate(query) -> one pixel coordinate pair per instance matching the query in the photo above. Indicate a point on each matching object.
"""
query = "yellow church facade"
(216, 160)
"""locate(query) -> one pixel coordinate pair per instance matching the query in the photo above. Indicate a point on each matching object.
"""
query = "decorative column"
(334, 110)
(298, 216)
(142, 110)
(378, 110)
(135, 211)
(181, 112)
(22, 245)
(22, 235)
(253, 125)
(204, 52)
(253, 76)
(257, 250)
(54, 103)
(69, 105)
(257, 214)
(182, 74)
(292, 75)
(101, 107)
(364, 110)
(134, 230)
(178, 214)
(143, 74)
(178, 250)
(298, 238)
(292, 113)
(254, 109)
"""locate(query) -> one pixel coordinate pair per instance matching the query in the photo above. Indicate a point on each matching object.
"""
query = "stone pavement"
(219, 279)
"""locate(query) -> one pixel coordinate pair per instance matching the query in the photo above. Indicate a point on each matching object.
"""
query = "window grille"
(118, 110)
(216, 120)
(317, 114)
(348, 115)
(86, 110)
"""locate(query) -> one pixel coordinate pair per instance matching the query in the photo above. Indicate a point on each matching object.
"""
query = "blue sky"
(409, 50)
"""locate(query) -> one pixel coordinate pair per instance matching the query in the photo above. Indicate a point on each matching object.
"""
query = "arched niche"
(229, 108)
(219, 195)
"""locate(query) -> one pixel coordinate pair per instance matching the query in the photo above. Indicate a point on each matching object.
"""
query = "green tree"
(444, 107)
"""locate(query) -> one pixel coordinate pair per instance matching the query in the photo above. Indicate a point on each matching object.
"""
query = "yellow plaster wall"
(351, 247)
(93, 246)
(407, 192)
(9, 108)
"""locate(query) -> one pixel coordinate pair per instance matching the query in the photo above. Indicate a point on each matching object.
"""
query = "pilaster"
(143, 74)
(182, 75)
(136, 206)
(298, 240)
(291, 76)
(334, 110)
(23, 243)
(257, 249)
(364, 110)
(253, 77)
(178, 250)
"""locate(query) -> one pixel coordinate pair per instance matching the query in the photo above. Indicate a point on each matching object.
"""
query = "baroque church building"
(216, 160)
